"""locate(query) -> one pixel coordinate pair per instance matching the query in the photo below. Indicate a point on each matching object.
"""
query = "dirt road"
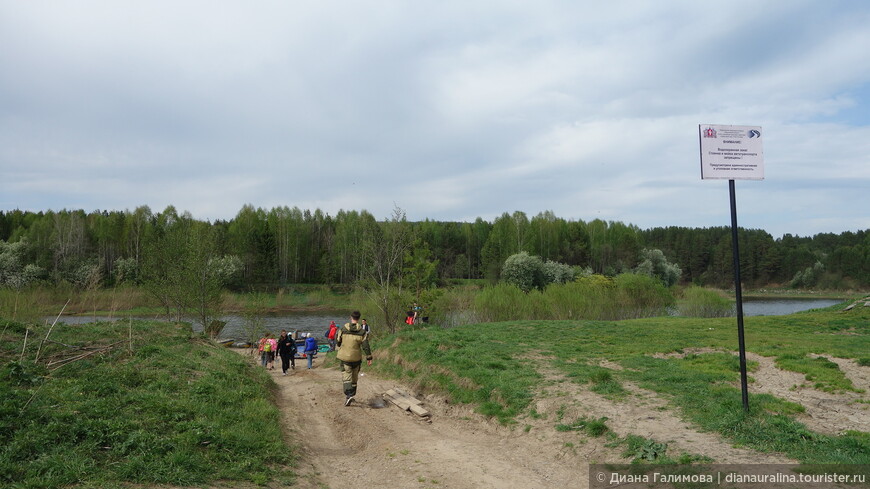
(374, 444)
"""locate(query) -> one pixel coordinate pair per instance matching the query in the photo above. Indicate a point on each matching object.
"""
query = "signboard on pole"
(731, 152)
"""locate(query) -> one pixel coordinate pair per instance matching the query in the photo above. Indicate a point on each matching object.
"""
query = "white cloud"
(451, 110)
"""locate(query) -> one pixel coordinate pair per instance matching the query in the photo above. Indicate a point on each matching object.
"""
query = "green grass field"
(493, 366)
(164, 408)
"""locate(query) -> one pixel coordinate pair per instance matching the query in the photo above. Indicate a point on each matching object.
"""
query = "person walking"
(310, 348)
(352, 343)
(287, 351)
(266, 350)
(271, 347)
(330, 335)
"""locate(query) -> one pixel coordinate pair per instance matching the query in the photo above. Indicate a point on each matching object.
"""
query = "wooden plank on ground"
(419, 410)
(405, 402)
(398, 400)
(409, 397)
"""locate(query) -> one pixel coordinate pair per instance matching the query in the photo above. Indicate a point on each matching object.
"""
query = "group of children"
(285, 347)
(351, 341)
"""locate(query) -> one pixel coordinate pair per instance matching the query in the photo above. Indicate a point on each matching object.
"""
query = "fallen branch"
(56, 364)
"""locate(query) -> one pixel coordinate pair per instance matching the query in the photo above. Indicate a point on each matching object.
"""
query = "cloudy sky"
(450, 110)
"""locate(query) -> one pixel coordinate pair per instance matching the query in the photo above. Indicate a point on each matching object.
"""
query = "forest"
(271, 248)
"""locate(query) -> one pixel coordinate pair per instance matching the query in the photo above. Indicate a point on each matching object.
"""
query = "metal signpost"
(733, 153)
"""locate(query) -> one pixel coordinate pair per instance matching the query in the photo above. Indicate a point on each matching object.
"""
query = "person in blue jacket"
(310, 348)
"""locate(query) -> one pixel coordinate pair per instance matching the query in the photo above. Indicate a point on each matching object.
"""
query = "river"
(317, 323)
(781, 307)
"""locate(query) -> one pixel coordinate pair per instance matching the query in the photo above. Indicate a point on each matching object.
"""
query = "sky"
(448, 110)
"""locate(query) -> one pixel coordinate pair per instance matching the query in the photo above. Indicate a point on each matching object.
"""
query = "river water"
(238, 328)
(781, 307)
(317, 323)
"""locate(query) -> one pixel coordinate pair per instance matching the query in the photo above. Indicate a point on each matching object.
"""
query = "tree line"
(262, 248)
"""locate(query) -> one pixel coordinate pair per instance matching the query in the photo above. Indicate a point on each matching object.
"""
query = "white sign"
(731, 152)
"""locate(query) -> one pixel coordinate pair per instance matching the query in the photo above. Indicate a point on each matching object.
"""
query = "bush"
(594, 297)
(704, 303)
(557, 273)
(524, 271)
(654, 264)
(591, 297)
(503, 302)
(126, 271)
(808, 277)
(642, 296)
(529, 272)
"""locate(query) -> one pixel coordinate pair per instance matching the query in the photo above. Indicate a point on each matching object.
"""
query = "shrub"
(594, 297)
(557, 273)
(654, 264)
(126, 270)
(503, 302)
(642, 296)
(524, 271)
(591, 297)
(704, 303)
(809, 276)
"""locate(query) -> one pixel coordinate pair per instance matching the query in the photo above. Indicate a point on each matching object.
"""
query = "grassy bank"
(132, 403)
(493, 366)
(31, 305)
(464, 301)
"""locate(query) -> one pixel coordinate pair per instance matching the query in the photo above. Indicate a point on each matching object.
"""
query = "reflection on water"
(780, 307)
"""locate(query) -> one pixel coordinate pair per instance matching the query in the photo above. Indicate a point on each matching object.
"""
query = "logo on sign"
(709, 132)
(754, 133)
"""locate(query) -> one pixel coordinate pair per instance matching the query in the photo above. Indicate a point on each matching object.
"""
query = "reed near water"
(626, 296)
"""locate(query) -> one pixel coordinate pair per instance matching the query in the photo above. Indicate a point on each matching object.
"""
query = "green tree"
(384, 247)
(419, 270)
(655, 264)
(204, 274)
(164, 255)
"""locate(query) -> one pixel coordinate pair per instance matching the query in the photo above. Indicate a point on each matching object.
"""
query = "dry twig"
(39, 350)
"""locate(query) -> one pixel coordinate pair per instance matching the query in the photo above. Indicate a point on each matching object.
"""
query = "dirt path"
(643, 413)
(826, 412)
(372, 443)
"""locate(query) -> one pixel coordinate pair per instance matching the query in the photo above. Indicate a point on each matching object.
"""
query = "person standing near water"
(352, 342)
(287, 350)
(267, 345)
(330, 335)
(310, 348)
